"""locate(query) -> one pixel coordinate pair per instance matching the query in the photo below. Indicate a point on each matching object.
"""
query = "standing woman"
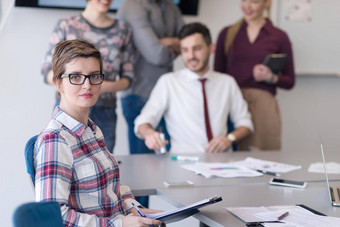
(241, 49)
(73, 166)
(113, 39)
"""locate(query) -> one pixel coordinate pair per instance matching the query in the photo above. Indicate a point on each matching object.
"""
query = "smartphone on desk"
(288, 183)
(176, 184)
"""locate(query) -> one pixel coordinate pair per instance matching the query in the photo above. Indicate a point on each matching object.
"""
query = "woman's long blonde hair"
(234, 29)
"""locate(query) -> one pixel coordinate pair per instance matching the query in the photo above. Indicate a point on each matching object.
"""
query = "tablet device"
(276, 62)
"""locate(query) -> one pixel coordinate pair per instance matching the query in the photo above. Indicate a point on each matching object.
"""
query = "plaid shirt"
(74, 168)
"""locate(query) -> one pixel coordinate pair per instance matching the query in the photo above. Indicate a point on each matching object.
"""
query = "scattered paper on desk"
(332, 167)
(300, 217)
(247, 214)
(270, 166)
(226, 170)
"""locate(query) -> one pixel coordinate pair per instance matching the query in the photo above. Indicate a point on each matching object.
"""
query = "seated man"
(195, 102)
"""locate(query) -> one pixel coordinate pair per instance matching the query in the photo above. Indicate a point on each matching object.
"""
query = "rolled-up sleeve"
(155, 107)
(239, 113)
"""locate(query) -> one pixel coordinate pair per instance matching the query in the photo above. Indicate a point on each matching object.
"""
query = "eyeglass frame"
(64, 75)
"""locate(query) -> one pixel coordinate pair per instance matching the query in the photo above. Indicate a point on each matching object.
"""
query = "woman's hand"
(138, 221)
(145, 211)
(263, 73)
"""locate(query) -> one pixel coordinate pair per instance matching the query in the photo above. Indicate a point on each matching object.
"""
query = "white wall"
(26, 102)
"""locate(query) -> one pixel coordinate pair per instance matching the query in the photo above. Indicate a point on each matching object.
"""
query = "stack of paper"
(331, 167)
(226, 170)
(244, 168)
(270, 166)
(299, 217)
(247, 214)
(268, 216)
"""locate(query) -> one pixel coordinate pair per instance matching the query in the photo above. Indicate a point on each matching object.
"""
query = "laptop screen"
(325, 170)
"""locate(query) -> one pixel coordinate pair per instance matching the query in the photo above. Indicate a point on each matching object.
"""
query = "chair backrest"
(29, 154)
(39, 214)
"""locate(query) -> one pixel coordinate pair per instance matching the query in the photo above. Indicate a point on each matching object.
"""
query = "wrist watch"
(231, 137)
(271, 80)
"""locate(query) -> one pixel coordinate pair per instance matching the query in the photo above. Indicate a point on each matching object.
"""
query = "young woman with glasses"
(73, 166)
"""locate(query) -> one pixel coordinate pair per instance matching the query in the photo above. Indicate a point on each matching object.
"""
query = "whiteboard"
(316, 43)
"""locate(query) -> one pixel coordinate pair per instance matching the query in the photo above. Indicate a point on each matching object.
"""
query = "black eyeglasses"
(79, 79)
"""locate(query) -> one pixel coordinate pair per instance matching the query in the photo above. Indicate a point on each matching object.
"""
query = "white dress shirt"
(178, 97)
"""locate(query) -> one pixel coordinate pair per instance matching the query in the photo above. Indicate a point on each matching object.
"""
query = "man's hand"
(151, 137)
(154, 141)
(172, 43)
(218, 144)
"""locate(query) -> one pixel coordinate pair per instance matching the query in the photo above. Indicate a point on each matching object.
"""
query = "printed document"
(269, 166)
(226, 170)
(300, 217)
(331, 167)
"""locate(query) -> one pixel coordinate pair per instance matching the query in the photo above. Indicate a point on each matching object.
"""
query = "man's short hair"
(192, 28)
(66, 51)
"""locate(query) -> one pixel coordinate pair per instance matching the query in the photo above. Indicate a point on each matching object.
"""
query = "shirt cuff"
(128, 204)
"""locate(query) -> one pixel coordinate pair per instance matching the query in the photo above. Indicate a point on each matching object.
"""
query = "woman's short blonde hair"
(66, 51)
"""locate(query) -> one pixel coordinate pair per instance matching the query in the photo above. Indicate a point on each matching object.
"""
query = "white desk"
(314, 196)
(145, 175)
(145, 172)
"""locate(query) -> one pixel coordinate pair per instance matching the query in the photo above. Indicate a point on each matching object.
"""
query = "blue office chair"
(40, 214)
(29, 154)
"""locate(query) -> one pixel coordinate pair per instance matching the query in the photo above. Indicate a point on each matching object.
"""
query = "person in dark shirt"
(240, 52)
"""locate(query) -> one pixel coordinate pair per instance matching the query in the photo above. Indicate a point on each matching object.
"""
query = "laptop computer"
(333, 191)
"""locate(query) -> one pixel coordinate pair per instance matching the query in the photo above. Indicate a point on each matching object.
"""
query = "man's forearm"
(145, 129)
(241, 132)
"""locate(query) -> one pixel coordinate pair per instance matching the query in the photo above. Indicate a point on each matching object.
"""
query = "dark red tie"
(206, 112)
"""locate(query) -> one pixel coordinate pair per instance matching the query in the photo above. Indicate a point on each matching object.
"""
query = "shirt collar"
(72, 124)
(191, 76)
(268, 26)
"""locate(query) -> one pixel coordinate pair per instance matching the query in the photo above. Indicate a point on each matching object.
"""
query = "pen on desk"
(268, 172)
(283, 216)
(185, 158)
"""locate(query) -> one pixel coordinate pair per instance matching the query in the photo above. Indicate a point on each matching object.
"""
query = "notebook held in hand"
(276, 62)
(183, 212)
